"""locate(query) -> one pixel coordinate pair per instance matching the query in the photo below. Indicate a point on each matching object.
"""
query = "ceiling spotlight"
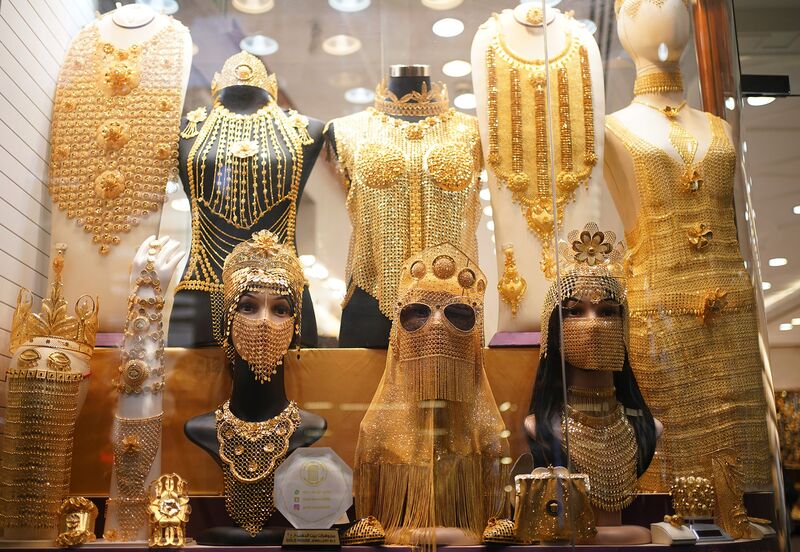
(457, 68)
(490, 225)
(766, 286)
(465, 101)
(359, 95)
(488, 211)
(167, 7)
(730, 103)
(349, 6)
(786, 326)
(341, 45)
(448, 27)
(795, 321)
(180, 205)
(441, 4)
(758, 101)
(485, 194)
(307, 260)
(195, 49)
(259, 45)
(253, 7)
(778, 261)
(796, 209)
(590, 25)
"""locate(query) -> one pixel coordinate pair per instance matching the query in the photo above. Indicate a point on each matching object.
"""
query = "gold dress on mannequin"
(693, 332)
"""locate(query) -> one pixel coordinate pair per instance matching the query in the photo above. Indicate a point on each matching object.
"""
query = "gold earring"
(511, 286)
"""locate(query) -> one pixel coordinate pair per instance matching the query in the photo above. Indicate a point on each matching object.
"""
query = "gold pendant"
(511, 286)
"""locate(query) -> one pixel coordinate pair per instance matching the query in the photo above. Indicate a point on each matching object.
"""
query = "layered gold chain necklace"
(251, 452)
(518, 129)
(602, 444)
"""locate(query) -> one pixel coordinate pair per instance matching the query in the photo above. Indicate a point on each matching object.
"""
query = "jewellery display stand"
(124, 28)
(666, 533)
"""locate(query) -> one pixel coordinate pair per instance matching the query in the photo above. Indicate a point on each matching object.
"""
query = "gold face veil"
(429, 449)
(261, 264)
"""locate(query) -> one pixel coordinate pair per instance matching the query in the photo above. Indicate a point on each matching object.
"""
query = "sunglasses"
(415, 315)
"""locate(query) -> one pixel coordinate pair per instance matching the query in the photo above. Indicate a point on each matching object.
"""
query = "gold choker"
(423, 103)
(658, 83)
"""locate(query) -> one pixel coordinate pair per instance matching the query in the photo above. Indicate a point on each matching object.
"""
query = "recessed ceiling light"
(253, 7)
(341, 45)
(359, 95)
(490, 225)
(307, 260)
(349, 6)
(167, 7)
(758, 101)
(786, 326)
(795, 321)
(796, 209)
(180, 204)
(766, 286)
(448, 27)
(485, 194)
(457, 68)
(195, 49)
(318, 271)
(778, 261)
(590, 25)
(487, 211)
(730, 103)
(441, 4)
(465, 101)
(259, 45)
(493, 240)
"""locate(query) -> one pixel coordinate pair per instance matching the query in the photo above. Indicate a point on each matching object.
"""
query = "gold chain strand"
(787, 405)
(115, 128)
(251, 452)
(658, 83)
(604, 447)
(411, 185)
(692, 312)
(518, 86)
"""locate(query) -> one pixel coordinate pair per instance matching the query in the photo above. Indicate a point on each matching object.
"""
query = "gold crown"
(245, 69)
(53, 327)
(446, 268)
(423, 102)
(634, 7)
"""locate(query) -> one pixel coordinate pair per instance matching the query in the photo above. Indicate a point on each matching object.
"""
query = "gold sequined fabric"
(250, 454)
(36, 458)
(410, 186)
(423, 464)
(787, 404)
(262, 343)
(519, 138)
(693, 332)
(114, 133)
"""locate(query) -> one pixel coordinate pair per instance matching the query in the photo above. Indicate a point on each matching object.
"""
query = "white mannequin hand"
(166, 255)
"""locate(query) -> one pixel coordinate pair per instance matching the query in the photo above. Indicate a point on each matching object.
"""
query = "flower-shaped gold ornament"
(168, 511)
(591, 248)
(244, 148)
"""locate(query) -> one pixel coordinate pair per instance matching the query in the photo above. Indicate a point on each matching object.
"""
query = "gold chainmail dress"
(424, 461)
(115, 128)
(693, 333)
(410, 186)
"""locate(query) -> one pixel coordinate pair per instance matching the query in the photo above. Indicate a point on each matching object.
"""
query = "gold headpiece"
(633, 8)
(591, 267)
(53, 327)
(263, 263)
(444, 268)
(422, 103)
(245, 69)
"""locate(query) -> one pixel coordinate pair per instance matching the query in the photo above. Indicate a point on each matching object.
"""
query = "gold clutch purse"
(553, 505)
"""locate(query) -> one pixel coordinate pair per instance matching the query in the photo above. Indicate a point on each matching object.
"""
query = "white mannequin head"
(654, 35)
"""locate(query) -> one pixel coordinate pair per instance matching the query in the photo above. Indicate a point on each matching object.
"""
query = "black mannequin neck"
(589, 378)
(252, 401)
(244, 99)
(400, 86)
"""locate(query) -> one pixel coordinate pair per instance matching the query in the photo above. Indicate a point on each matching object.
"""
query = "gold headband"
(423, 103)
(445, 268)
(245, 69)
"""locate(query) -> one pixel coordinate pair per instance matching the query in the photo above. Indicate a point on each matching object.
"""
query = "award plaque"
(313, 488)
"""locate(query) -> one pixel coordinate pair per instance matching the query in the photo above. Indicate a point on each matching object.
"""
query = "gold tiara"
(445, 268)
(53, 327)
(422, 103)
(245, 69)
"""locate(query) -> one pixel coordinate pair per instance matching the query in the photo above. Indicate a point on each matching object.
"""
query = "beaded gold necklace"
(518, 129)
(115, 129)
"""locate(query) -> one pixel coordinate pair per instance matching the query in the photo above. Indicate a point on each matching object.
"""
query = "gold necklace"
(604, 447)
(668, 111)
(658, 83)
(250, 453)
(115, 128)
(258, 164)
(517, 91)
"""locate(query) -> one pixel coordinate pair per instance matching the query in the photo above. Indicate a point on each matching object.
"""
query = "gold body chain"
(411, 186)
(518, 130)
(115, 129)
(251, 452)
(693, 332)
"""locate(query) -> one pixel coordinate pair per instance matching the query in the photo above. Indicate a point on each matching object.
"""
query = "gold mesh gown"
(693, 332)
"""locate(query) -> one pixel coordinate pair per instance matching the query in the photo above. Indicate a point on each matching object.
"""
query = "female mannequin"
(243, 88)
(611, 432)
(694, 343)
(158, 51)
(517, 39)
(414, 153)
(263, 282)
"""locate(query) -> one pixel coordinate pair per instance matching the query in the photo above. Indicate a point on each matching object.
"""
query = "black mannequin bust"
(190, 321)
(253, 402)
(363, 324)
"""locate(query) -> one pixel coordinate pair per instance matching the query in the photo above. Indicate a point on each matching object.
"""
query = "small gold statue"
(169, 511)
(76, 518)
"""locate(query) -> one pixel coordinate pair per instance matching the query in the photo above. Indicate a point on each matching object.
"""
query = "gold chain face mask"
(262, 343)
(594, 343)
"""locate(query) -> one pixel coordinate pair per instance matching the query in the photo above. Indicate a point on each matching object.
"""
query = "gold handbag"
(553, 505)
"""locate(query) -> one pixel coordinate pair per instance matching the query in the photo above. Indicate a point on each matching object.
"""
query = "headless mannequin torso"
(190, 323)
